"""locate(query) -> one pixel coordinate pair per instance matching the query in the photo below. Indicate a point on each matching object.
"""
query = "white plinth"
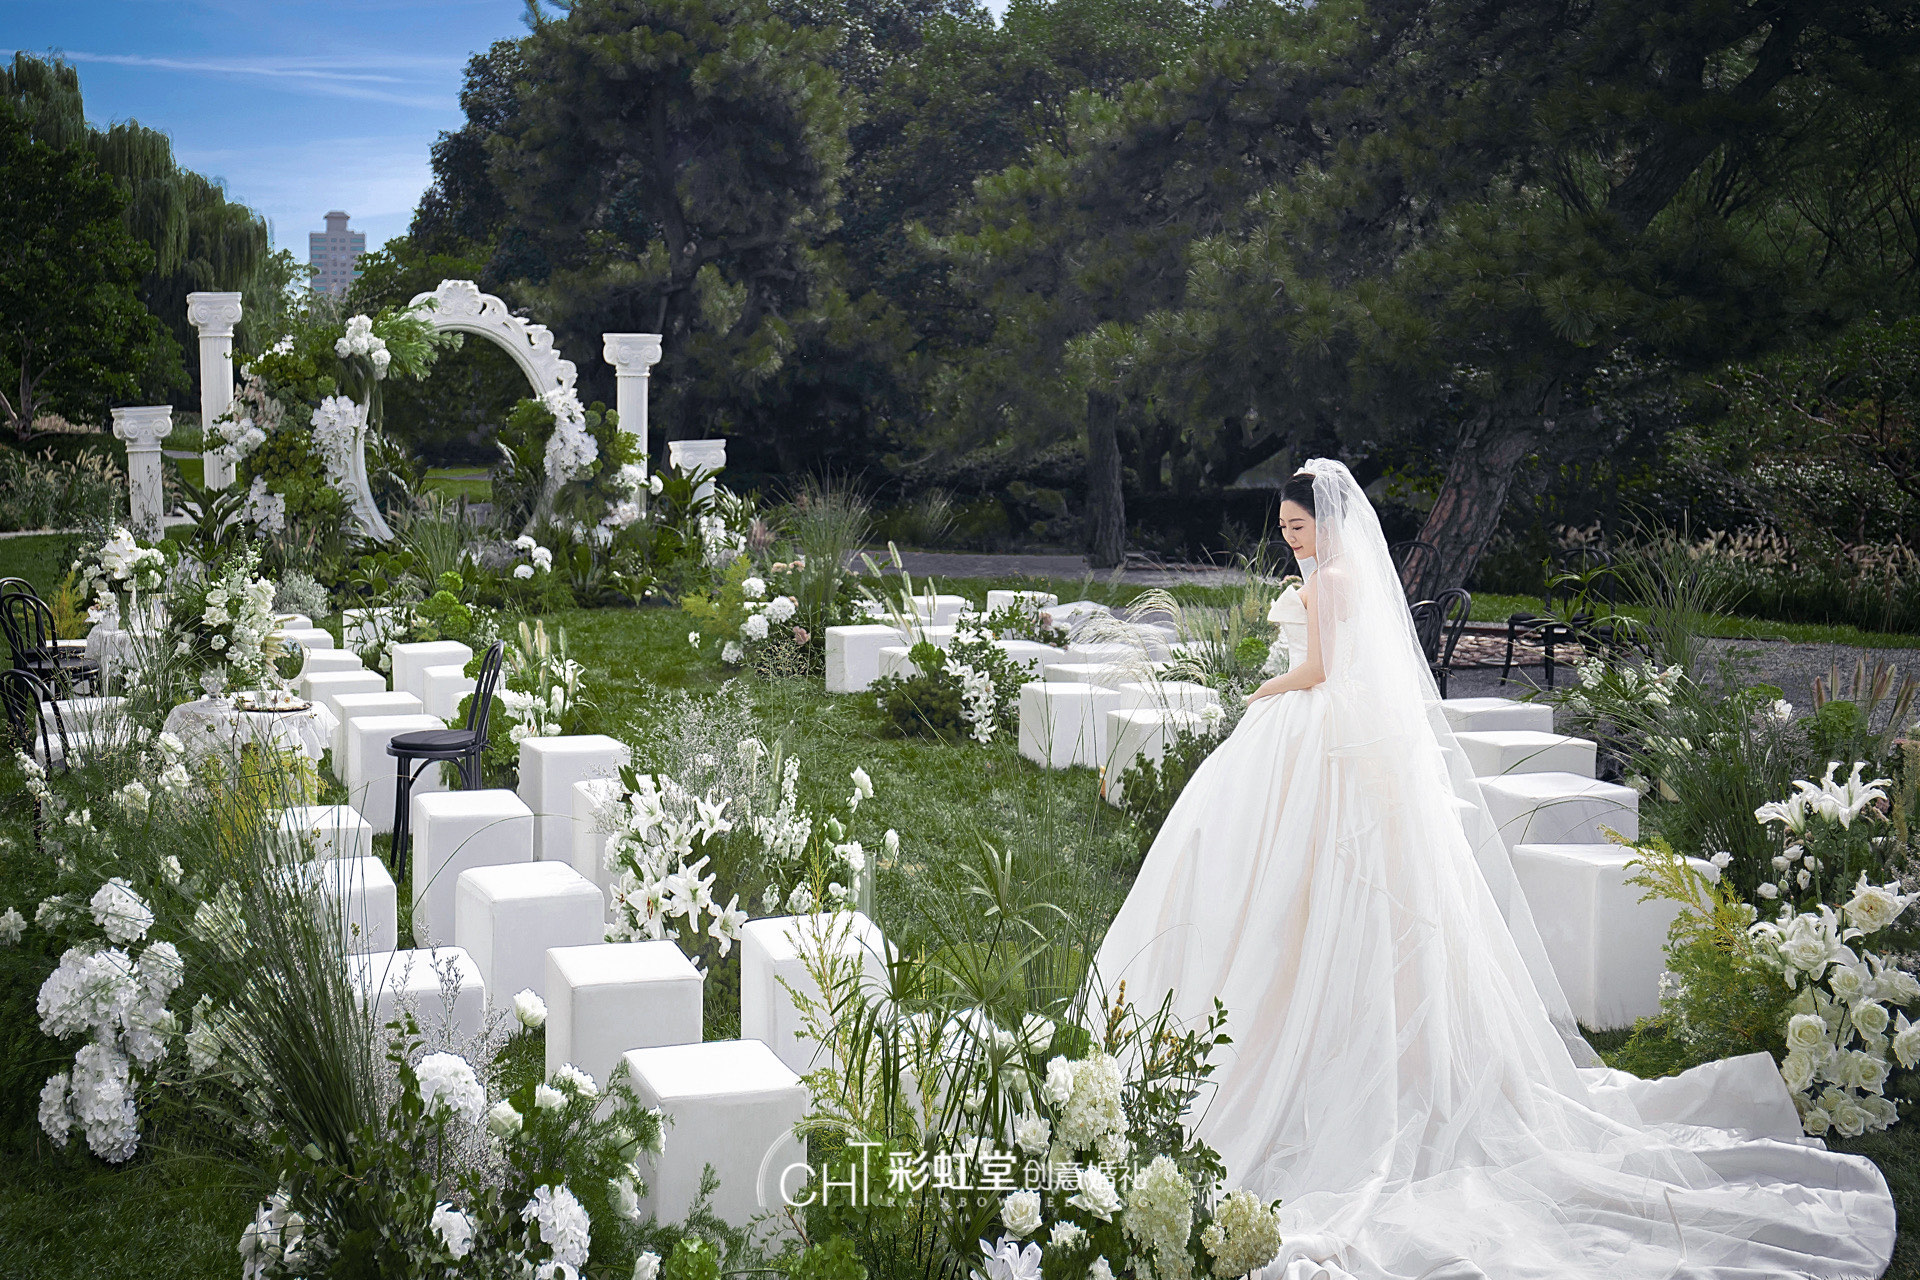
(347, 707)
(312, 639)
(1472, 715)
(361, 896)
(548, 769)
(1033, 600)
(853, 656)
(456, 831)
(410, 663)
(941, 610)
(733, 1105)
(1559, 808)
(770, 951)
(1166, 695)
(323, 661)
(328, 830)
(371, 772)
(507, 916)
(1110, 675)
(1074, 613)
(1111, 651)
(593, 801)
(1032, 655)
(895, 662)
(1063, 725)
(1608, 948)
(607, 998)
(363, 628)
(442, 688)
(327, 687)
(1492, 752)
(396, 979)
(1134, 736)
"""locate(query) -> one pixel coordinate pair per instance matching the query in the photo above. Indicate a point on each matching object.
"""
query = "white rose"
(1848, 1117)
(1797, 1070)
(1021, 1212)
(530, 1009)
(1870, 1018)
(1806, 1031)
(1097, 1194)
(502, 1120)
(647, 1265)
(1059, 1085)
(1032, 1133)
(548, 1098)
(1849, 982)
(1906, 1042)
(1872, 907)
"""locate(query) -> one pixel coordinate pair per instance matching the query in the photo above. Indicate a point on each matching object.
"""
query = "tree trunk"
(1106, 506)
(1467, 512)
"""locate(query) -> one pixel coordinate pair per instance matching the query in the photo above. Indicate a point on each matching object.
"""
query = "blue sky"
(301, 107)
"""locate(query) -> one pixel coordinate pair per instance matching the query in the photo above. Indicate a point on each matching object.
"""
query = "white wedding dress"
(1402, 1073)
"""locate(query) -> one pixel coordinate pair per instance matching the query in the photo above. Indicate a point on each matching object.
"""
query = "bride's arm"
(1310, 671)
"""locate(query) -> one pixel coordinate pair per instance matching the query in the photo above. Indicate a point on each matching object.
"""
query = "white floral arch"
(458, 306)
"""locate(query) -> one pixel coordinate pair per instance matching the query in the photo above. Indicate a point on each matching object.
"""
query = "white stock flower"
(732, 654)
(454, 1228)
(530, 1009)
(102, 1099)
(1020, 1210)
(447, 1080)
(12, 926)
(564, 1226)
(88, 992)
(120, 912)
(647, 1265)
(548, 1098)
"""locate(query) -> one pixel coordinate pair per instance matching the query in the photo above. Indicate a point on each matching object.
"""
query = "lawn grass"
(472, 483)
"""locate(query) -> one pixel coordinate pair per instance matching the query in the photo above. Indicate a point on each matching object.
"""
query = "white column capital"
(143, 427)
(213, 314)
(631, 353)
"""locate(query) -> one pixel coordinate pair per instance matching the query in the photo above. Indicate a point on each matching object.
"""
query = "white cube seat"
(442, 688)
(360, 894)
(453, 832)
(942, 610)
(1559, 808)
(1110, 675)
(594, 801)
(732, 1105)
(506, 917)
(893, 660)
(1167, 695)
(1032, 655)
(1492, 752)
(1608, 948)
(548, 769)
(370, 775)
(1141, 734)
(321, 661)
(938, 635)
(410, 663)
(771, 950)
(609, 997)
(1072, 615)
(1108, 651)
(1473, 715)
(326, 685)
(853, 655)
(1063, 725)
(410, 980)
(1034, 600)
(308, 638)
(292, 621)
(364, 702)
(328, 830)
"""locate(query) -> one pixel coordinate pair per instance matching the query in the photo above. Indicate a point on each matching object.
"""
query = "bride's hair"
(1299, 489)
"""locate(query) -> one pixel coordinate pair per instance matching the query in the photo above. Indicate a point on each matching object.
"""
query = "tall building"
(335, 255)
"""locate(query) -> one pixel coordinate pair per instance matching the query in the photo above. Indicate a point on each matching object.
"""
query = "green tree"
(73, 332)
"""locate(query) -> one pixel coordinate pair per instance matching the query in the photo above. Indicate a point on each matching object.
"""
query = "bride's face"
(1296, 526)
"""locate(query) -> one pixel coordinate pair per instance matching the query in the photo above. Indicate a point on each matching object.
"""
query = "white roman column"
(632, 356)
(214, 315)
(143, 428)
(699, 455)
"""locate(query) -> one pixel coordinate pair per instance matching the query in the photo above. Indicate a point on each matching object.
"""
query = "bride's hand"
(1267, 690)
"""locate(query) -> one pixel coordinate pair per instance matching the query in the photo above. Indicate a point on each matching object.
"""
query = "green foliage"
(1149, 788)
(45, 492)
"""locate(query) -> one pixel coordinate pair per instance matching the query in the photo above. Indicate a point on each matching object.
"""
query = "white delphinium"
(448, 1080)
(120, 912)
(563, 1223)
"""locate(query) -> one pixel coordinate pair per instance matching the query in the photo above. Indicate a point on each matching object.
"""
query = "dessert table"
(215, 723)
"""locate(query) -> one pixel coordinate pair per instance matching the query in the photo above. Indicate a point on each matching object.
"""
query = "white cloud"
(396, 80)
(376, 179)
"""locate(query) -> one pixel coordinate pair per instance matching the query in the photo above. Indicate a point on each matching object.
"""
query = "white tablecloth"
(216, 724)
(108, 644)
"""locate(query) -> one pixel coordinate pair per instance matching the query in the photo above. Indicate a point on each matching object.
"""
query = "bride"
(1404, 1072)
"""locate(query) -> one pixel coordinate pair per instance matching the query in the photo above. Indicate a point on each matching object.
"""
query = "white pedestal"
(1607, 947)
(324, 686)
(1493, 752)
(1074, 613)
(607, 998)
(410, 663)
(942, 610)
(1032, 600)
(592, 801)
(1108, 675)
(853, 656)
(328, 830)
(548, 769)
(442, 688)
(770, 951)
(393, 979)
(347, 707)
(312, 639)
(1031, 654)
(1133, 736)
(453, 832)
(370, 779)
(361, 896)
(733, 1105)
(1062, 725)
(1473, 715)
(1166, 695)
(507, 916)
(323, 661)
(1559, 808)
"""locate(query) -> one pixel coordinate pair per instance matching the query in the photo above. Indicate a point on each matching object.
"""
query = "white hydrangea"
(338, 424)
(447, 1080)
(102, 1099)
(780, 609)
(1243, 1236)
(564, 1225)
(120, 912)
(454, 1228)
(12, 926)
(89, 991)
(1160, 1208)
(56, 1119)
(754, 628)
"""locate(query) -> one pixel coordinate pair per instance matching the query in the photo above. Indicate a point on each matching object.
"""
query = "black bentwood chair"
(28, 625)
(463, 747)
(35, 727)
(1439, 623)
